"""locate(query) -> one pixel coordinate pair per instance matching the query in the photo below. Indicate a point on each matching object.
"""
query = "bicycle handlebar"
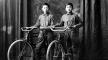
(27, 28)
(55, 28)
(60, 29)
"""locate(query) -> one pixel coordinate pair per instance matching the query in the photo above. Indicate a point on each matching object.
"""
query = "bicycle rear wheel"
(20, 50)
(55, 51)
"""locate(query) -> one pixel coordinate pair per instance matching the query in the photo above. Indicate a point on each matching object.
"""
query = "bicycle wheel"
(55, 51)
(20, 50)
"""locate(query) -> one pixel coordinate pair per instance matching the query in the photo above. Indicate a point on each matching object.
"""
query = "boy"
(73, 22)
(44, 20)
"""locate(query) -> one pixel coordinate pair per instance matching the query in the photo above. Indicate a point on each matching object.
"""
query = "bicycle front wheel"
(55, 51)
(20, 50)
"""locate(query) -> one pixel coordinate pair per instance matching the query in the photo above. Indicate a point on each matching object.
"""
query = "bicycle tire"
(49, 49)
(13, 53)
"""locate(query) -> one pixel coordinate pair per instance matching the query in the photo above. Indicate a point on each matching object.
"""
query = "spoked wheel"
(55, 51)
(20, 50)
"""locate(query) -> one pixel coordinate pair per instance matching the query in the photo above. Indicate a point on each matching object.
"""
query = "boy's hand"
(53, 26)
(74, 26)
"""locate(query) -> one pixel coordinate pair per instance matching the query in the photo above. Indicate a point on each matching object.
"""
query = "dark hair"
(46, 4)
(69, 4)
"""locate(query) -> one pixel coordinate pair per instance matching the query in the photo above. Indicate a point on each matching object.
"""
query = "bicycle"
(21, 48)
(55, 49)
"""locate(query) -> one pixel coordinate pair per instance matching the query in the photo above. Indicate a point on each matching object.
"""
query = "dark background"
(57, 8)
(94, 13)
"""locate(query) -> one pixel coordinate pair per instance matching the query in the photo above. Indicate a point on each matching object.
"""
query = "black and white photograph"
(53, 29)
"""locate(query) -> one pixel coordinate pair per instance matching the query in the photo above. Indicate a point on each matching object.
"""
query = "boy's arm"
(52, 20)
(78, 21)
(37, 23)
(61, 23)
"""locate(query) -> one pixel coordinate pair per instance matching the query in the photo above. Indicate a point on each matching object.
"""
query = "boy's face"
(45, 8)
(68, 8)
